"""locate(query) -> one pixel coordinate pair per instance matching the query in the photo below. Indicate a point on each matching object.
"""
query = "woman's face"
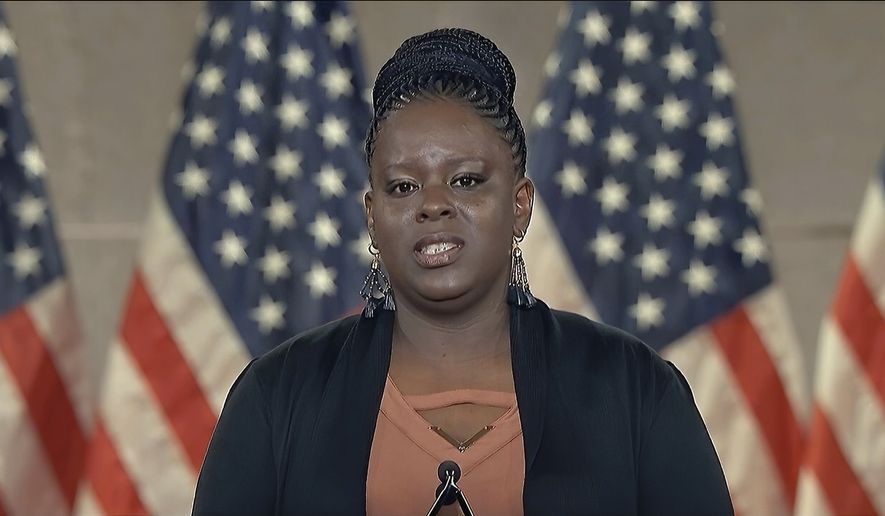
(444, 205)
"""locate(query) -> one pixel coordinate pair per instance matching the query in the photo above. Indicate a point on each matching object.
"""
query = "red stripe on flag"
(862, 324)
(843, 490)
(762, 388)
(167, 372)
(110, 482)
(44, 393)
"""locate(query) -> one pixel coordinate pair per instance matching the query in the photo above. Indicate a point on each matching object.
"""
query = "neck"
(446, 340)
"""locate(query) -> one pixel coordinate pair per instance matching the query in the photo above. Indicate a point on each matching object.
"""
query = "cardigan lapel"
(341, 440)
(529, 359)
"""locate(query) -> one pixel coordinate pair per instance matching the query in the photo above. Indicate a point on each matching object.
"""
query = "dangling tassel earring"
(518, 292)
(376, 289)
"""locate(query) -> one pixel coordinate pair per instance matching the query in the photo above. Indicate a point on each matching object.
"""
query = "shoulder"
(311, 352)
(606, 352)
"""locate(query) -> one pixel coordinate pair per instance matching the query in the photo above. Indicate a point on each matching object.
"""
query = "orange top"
(406, 452)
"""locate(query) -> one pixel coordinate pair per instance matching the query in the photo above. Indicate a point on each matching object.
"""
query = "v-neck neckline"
(395, 407)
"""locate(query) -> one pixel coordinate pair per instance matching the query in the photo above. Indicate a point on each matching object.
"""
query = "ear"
(523, 198)
(370, 217)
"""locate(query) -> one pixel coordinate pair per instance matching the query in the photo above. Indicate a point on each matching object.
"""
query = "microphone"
(447, 492)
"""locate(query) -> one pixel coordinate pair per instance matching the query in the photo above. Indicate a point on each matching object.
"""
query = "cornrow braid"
(456, 64)
(449, 85)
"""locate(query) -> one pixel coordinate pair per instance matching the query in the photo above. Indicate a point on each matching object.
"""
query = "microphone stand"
(448, 491)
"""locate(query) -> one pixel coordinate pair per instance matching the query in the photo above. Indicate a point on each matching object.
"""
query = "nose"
(435, 203)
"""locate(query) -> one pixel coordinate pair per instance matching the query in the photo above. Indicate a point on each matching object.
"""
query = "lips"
(437, 250)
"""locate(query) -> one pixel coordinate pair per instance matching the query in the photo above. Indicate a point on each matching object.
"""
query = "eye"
(468, 180)
(402, 187)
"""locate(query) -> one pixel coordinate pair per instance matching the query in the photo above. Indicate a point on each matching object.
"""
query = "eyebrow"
(408, 164)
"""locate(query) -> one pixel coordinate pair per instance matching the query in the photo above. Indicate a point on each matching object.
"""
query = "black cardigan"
(609, 427)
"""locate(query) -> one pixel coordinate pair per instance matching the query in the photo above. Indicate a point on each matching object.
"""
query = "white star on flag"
(261, 5)
(201, 131)
(32, 160)
(648, 311)
(30, 211)
(7, 43)
(700, 278)
(551, 64)
(297, 62)
(220, 32)
(705, 229)
(578, 128)
(721, 81)
(612, 196)
(753, 200)
(25, 261)
(255, 46)
(673, 113)
(594, 27)
(292, 113)
(652, 262)
(238, 199)
(286, 163)
(193, 180)
(336, 81)
(274, 264)
(627, 96)
(666, 163)
(640, 6)
(280, 214)
(333, 131)
(210, 81)
(243, 148)
(586, 78)
(571, 179)
(324, 230)
(686, 15)
(679, 63)
(658, 212)
(752, 248)
(340, 29)
(320, 280)
(268, 314)
(330, 181)
(620, 146)
(635, 46)
(231, 249)
(712, 181)
(249, 97)
(607, 246)
(360, 248)
(718, 131)
(542, 113)
(301, 13)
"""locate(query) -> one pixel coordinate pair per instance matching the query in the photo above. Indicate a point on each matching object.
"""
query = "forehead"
(434, 129)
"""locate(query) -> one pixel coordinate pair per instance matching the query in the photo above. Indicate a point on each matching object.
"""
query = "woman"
(546, 412)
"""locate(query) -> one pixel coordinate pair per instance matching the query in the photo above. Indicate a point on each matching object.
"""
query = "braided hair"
(454, 64)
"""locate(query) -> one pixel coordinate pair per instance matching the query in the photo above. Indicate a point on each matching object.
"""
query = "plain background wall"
(103, 83)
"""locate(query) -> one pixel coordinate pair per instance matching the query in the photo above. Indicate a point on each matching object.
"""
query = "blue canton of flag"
(44, 389)
(30, 252)
(636, 155)
(266, 175)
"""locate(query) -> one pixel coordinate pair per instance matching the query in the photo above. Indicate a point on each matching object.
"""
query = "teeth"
(437, 248)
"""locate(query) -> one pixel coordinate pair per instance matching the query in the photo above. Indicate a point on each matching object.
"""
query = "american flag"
(257, 233)
(44, 389)
(844, 467)
(646, 220)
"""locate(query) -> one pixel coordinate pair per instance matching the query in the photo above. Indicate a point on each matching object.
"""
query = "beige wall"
(103, 81)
